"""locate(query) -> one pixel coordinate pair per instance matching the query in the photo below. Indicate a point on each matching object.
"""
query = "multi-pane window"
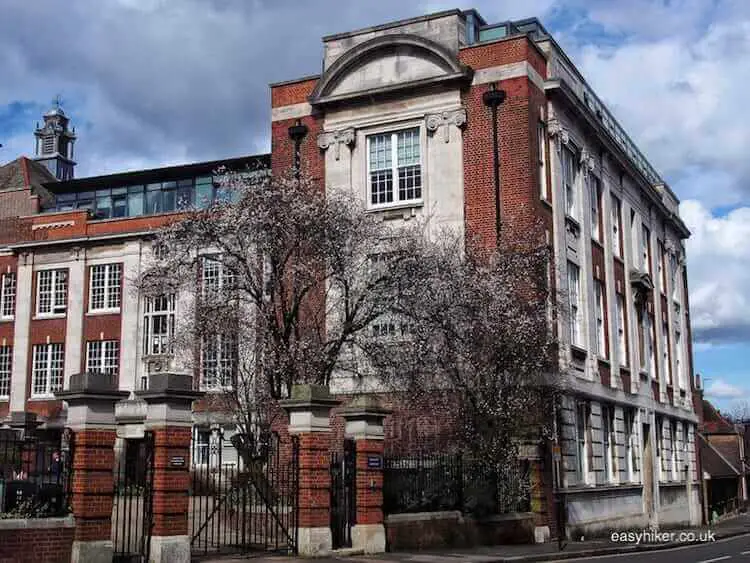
(158, 324)
(642, 328)
(673, 451)
(659, 442)
(685, 448)
(662, 268)
(215, 275)
(666, 356)
(52, 292)
(7, 295)
(574, 296)
(103, 356)
(105, 287)
(631, 443)
(622, 341)
(601, 335)
(569, 173)
(47, 369)
(645, 249)
(673, 270)
(596, 206)
(219, 358)
(394, 167)
(609, 443)
(583, 427)
(542, 155)
(651, 340)
(678, 358)
(616, 227)
(6, 362)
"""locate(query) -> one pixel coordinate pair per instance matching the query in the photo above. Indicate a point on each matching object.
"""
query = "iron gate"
(244, 494)
(132, 510)
(343, 492)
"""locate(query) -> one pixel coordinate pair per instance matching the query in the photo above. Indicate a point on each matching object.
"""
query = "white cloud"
(720, 389)
(151, 82)
(681, 98)
(718, 257)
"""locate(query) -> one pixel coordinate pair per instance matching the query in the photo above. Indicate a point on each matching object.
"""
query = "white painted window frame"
(58, 299)
(6, 370)
(99, 356)
(397, 202)
(46, 371)
(112, 293)
(8, 291)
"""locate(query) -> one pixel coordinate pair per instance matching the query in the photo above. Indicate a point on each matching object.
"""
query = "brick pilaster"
(369, 497)
(171, 481)
(91, 402)
(169, 417)
(92, 484)
(309, 411)
(364, 424)
(314, 479)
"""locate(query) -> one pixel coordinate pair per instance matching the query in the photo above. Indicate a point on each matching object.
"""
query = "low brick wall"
(429, 530)
(36, 540)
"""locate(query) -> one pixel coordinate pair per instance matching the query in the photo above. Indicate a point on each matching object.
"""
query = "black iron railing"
(35, 476)
(437, 482)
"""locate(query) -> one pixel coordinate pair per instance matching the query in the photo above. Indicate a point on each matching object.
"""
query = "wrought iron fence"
(437, 482)
(35, 476)
(244, 495)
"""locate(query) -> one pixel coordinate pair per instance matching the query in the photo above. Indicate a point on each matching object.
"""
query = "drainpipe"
(297, 132)
(492, 98)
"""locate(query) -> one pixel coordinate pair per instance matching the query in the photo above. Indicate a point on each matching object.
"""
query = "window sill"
(545, 200)
(598, 243)
(398, 206)
(47, 316)
(643, 375)
(604, 361)
(99, 312)
(578, 353)
(7, 319)
(4, 398)
(671, 483)
(586, 488)
(50, 397)
(215, 390)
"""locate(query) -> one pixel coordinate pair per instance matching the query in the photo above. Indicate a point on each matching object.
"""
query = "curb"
(583, 553)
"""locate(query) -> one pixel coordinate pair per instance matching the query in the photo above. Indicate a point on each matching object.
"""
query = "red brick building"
(402, 115)
(412, 116)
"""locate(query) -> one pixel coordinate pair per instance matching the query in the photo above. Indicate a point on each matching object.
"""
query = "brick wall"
(520, 204)
(18, 202)
(46, 540)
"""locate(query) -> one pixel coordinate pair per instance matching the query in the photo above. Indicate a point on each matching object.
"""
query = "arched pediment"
(387, 63)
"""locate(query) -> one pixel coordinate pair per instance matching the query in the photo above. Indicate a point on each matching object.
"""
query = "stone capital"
(556, 131)
(91, 399)
(364, 418)
(169, 399)
(309, 409)
(337, 138)
(444, 120)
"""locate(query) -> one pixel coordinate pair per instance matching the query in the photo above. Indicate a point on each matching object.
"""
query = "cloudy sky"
(155, 82)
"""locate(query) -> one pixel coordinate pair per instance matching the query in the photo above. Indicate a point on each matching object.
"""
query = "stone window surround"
(431, 124)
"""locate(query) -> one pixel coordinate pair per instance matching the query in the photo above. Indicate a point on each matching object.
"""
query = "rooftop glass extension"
(143, 199)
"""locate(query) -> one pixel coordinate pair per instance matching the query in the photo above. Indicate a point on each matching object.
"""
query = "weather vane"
(57, 101)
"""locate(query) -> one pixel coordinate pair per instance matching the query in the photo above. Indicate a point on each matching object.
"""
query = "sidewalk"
(517, 553)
